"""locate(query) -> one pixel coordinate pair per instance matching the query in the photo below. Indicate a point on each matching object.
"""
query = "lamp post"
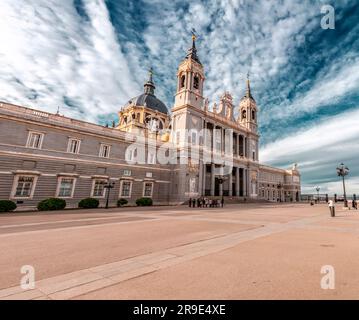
(108, 186)
(318, 189)
(221, 179)
(342, 171)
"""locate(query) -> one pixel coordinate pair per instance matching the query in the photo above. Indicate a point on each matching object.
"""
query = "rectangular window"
(127, 173)
(148, 174)
(147, 189)
(104, 151)
(66, 187)
(73, 146)
(34, 140)
(126, 187)
(98, 188)
(24, 186)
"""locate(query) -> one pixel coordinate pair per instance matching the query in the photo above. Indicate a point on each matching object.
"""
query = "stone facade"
(209, 151)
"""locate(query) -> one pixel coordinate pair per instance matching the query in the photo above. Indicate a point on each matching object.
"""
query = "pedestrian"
(193, 202)
(331, 208)
(190, 202)
(355, 204)
(198, 203)
(222, 202)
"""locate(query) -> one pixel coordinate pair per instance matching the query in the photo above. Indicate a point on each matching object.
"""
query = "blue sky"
(91, 56)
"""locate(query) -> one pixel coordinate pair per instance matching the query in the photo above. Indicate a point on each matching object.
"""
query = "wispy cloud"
(319, 150)
(51, 56)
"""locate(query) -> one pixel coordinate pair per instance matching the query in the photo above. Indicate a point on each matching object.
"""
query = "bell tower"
(248, 110)
(190, 79)
(187, 123)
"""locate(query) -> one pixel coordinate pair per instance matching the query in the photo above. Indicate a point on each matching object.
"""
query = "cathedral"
(194, 150)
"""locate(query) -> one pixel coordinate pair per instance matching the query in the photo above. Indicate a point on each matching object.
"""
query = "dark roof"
(148, 98)
(149, 101)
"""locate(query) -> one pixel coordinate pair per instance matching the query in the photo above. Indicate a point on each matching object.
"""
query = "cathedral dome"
(148, 101)
(148, 98)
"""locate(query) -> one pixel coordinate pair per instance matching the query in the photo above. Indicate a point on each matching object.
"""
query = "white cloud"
(49, 49)
(342, 78)
(319, 149)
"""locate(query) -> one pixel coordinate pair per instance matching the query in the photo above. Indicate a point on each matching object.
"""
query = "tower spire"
(248, 90)
(192, 52)
(149, 85)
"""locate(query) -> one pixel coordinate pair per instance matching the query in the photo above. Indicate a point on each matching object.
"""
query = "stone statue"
(206, 103)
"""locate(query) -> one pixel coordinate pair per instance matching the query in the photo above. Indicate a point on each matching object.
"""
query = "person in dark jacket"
(190, 202)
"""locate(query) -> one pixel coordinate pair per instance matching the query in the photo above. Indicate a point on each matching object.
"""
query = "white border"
(100, 154)
(41, 139)
(143, 190)
(93, 188)
(121, 183)
(15, 182)
(59, 183)
(69, 145)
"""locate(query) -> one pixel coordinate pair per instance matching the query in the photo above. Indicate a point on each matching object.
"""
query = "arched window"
(183, 81)
(253, 115)
(244, 114)
(196, 82)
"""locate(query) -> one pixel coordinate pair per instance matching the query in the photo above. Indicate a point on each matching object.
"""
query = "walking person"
(331, 208)
(222, 202)
(190, 202)
(193, 202)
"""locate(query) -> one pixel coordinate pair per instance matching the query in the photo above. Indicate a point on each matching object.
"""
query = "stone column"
(204, 175)
(222, 139)
(244, 182)
(230, 184)
(237, 182)
(200, 178)
(245, 147)
(212, 179)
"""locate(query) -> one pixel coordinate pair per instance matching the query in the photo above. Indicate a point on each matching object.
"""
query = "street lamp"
(342, 171)
(318, 189)
(221, 179)
(108, 186)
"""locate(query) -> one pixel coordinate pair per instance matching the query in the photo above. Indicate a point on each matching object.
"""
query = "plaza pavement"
(244, 251)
